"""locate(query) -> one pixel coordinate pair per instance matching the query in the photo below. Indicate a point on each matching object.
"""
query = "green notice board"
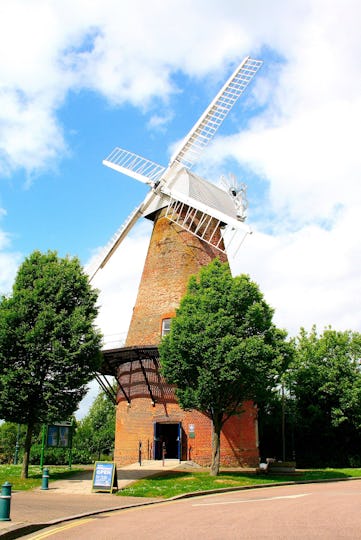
(104, 476)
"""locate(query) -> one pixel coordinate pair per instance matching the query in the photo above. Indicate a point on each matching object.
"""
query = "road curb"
(21, 530)
(30, 528)
(257, 486)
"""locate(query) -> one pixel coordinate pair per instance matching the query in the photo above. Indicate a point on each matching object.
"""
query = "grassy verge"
(175, 483)
(12, 474)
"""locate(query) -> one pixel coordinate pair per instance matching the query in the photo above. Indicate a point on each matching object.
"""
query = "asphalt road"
(324, 511)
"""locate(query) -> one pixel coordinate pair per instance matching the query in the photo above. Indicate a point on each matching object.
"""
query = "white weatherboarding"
(190, 201)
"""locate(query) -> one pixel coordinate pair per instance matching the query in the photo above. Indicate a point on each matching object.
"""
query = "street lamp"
(16, 455)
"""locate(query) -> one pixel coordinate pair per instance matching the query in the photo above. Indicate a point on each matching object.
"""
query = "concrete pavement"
(67, 499)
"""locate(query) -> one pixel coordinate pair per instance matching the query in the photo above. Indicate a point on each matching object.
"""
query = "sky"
(79, 77)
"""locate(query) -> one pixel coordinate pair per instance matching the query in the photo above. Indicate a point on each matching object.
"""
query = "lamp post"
(16, 455)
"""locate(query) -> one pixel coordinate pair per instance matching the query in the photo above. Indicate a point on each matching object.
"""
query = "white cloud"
(130, 53)
(159, 122)
(117, 283)
(311, 160)
(308, 276)
(9, 262)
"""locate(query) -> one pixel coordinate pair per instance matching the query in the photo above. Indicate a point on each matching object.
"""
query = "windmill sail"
(137, 167)
(114, 242)
(204, 130)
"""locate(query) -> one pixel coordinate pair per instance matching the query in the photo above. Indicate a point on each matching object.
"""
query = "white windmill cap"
(198, 191)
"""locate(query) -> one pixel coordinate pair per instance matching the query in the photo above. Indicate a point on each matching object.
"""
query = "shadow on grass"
(12, 474)
(60, 473)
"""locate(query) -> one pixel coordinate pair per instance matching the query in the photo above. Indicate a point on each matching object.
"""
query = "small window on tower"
(165, 326)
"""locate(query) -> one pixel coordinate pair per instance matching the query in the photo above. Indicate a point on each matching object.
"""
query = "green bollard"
(5, 499)
(45, 479)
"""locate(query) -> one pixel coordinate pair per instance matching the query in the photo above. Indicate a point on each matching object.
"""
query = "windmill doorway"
(167, 437)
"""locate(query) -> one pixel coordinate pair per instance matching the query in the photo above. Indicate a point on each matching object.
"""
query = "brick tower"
(192, 217)
(147, 410)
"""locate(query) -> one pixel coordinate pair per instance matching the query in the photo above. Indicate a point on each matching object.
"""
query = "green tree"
(10, 434)
(95, 432)
(223, 348)
(325, 383)
(49, 348)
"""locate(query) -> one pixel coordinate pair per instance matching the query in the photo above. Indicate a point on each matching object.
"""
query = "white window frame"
(166, 326)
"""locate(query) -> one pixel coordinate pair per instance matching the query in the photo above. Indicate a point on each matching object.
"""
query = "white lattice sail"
(204, 130)
(131, 164)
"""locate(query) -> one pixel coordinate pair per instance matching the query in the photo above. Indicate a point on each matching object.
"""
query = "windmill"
(194, 222)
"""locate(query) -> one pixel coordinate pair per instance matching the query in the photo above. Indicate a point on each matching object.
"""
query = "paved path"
(74, 497)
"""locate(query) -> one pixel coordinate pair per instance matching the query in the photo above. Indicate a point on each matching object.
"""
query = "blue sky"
(78, 78)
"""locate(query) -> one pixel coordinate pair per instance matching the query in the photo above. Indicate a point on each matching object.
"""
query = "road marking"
(253, 500)
(60, 529)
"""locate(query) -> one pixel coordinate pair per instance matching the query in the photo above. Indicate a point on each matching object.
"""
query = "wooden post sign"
(104, 476)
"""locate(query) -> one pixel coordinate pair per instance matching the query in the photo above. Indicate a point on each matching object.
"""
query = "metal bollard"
(45, 479)
(164, 452)
(140, 453)
(5, 500)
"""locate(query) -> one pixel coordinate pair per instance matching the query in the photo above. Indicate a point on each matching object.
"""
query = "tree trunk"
(27, 447)
(216, 446)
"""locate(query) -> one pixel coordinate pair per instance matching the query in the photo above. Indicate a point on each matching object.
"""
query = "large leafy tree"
(325, 383)
(223, 347)
(49, 347)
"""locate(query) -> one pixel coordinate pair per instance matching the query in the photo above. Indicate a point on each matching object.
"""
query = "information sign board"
(59, 435)
(104, 476)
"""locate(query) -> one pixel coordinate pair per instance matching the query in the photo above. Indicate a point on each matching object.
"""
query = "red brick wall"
(173, 256)
(135, 423)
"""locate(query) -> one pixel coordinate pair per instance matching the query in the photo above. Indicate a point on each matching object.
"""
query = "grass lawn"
(175, 483)
(12, 474)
